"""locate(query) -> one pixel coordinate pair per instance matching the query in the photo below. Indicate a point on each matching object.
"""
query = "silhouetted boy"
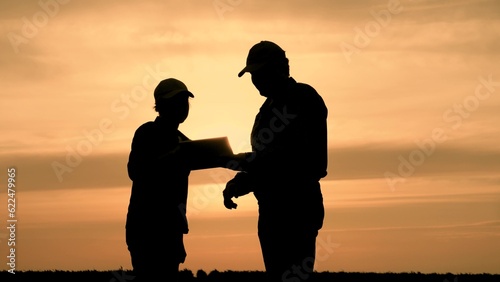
(156, 218)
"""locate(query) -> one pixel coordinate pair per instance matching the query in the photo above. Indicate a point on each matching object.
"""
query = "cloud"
(485, 225)
(36, 171)
(374, 161)
(91, 52)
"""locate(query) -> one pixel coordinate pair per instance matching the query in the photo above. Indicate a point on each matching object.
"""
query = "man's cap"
(170, 87)
(262, 53)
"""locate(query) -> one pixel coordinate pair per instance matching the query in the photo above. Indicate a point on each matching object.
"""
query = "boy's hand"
(228, 193)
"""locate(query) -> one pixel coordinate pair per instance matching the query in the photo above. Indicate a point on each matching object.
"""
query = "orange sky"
(412, 89)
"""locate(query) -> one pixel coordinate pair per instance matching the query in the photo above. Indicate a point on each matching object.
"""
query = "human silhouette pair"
(283, 171)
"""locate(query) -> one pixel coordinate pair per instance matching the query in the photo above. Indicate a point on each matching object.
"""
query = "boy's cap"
(262, 53)
(170, 87)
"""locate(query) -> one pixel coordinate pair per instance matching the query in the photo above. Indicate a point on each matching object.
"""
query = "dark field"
(242, 276)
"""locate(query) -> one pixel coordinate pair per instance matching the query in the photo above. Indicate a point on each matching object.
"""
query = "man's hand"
(240, 185)
(228, 193)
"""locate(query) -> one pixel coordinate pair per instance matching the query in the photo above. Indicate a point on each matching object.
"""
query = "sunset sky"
(412, 88)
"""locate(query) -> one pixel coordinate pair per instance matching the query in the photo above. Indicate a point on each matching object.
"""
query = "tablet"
(204, 153)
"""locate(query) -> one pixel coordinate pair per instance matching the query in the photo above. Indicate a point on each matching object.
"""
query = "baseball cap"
(170, 87)
(262, 53)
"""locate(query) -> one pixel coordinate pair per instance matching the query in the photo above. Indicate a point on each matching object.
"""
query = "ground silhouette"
(186, 275)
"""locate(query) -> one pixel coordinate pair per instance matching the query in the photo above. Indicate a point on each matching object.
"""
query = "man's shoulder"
(305, 93)
(304, 89)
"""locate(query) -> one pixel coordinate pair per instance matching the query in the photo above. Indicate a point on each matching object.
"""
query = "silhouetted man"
(156, 218)
(288, 159)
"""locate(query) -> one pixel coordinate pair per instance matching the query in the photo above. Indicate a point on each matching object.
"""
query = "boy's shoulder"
(146, 127)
